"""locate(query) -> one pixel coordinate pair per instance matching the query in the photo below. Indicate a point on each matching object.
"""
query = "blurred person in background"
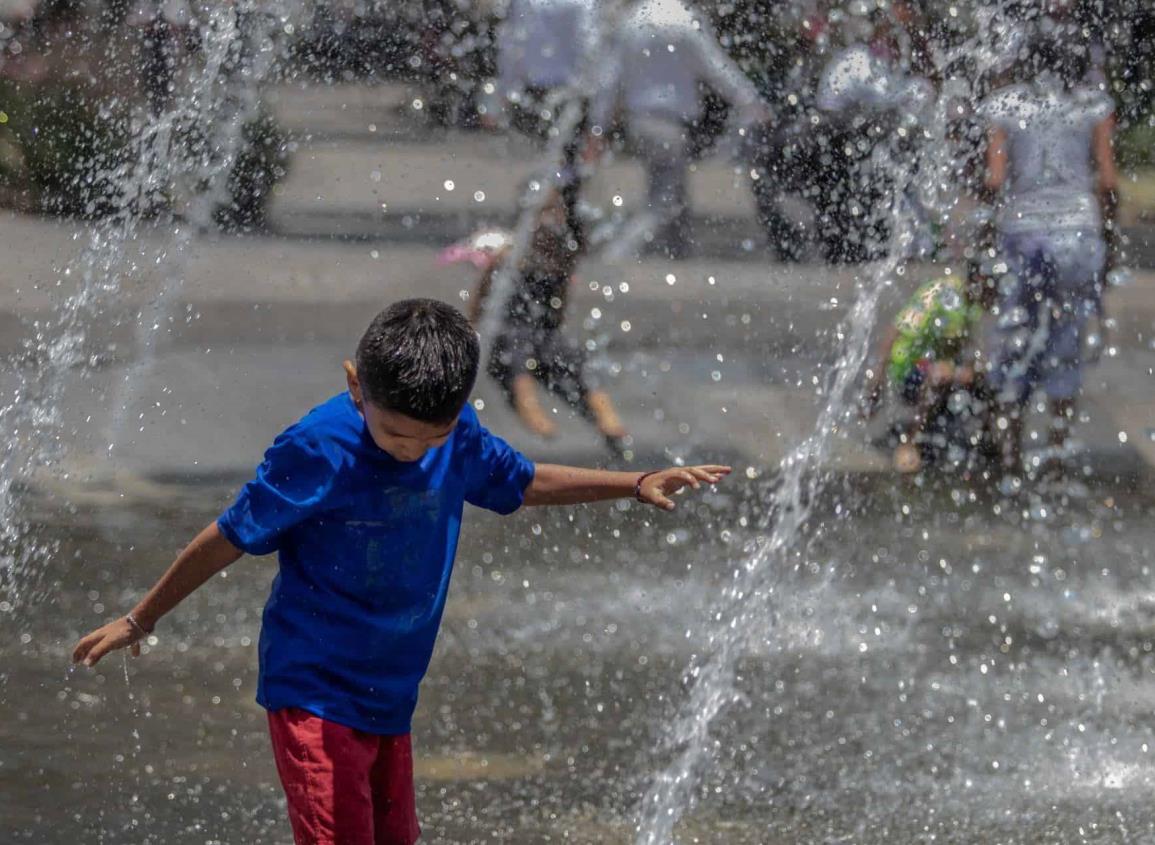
(932, 358)
(530, 348)
(658, 59)
(1050, 166)
(784, 56)
(868, 89)
(16, 17)
(545, 48)
(168, 32)
(454, 57)
(31, 29)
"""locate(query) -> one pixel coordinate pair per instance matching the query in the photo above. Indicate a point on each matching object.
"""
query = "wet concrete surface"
(933, 668)
(941, 674)
(706, 358)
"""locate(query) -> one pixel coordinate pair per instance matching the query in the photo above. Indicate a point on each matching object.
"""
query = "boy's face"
(402, 437)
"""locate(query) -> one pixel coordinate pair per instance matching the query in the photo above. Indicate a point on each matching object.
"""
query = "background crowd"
(809, 82)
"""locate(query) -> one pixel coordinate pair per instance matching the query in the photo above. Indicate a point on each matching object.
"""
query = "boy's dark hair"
(419, 358)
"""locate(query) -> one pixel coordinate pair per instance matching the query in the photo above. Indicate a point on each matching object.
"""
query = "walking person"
(543, 48)
(1050, 163)
(546, 47)
(866, 92)
(530, 348)
(658, 58)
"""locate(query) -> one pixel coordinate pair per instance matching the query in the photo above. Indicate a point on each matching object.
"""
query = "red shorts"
(344, 786)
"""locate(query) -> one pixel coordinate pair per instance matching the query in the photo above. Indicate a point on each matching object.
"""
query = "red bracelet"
(638, 486)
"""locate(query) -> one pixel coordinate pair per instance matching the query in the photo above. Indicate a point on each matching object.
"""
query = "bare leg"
(528, 406)
(907, 459)
(1011, 447)
(605, 415)
(1062, 415)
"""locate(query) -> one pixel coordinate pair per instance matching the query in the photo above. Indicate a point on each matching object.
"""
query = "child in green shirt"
(929, 352)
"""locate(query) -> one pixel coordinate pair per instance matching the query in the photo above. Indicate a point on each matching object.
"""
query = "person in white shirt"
(865, 91)
(546, 47)
(1050, 160)
(658, 57)
(543, 49)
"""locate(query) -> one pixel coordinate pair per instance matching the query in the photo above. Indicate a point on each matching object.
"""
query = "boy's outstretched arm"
(203, 558)
(562, 485)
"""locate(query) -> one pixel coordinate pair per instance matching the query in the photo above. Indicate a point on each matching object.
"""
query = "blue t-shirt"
(366, 546)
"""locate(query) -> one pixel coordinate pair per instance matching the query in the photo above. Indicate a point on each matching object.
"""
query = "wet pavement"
(945, 674)
(934, 666)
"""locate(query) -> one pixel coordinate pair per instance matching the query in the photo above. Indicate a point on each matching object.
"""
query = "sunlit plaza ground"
(944, 666)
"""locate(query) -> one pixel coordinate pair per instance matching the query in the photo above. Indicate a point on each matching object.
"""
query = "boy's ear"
(353, 382)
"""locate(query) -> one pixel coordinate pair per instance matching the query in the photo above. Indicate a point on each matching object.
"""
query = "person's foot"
(907, 459)
(529, 409)
(605, 415)
(1048, 466)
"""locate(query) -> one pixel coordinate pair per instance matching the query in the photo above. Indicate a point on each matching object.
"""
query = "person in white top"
(1050, 159)
(865, 91)
(858, 79)
(543, 49)
(657, 59)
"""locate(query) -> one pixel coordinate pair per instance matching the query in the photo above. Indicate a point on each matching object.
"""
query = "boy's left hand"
(657, 487)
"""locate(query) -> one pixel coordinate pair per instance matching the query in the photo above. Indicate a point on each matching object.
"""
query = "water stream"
(746, 613)
(979, 676)
(188, 147)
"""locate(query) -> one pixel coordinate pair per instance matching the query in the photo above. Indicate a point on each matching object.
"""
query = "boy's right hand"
(655, 488)
(110, 637)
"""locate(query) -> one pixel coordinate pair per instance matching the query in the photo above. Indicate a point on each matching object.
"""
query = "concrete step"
(475, 174)
(367, 165)
(191, 416)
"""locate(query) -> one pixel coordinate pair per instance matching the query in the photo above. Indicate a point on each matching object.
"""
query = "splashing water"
(548, 178)
(190, 146)
(537, 196)
(925, 172)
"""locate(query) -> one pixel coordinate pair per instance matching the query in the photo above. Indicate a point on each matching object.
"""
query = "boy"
(363, 501)
(929, 352)
(531, 347)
